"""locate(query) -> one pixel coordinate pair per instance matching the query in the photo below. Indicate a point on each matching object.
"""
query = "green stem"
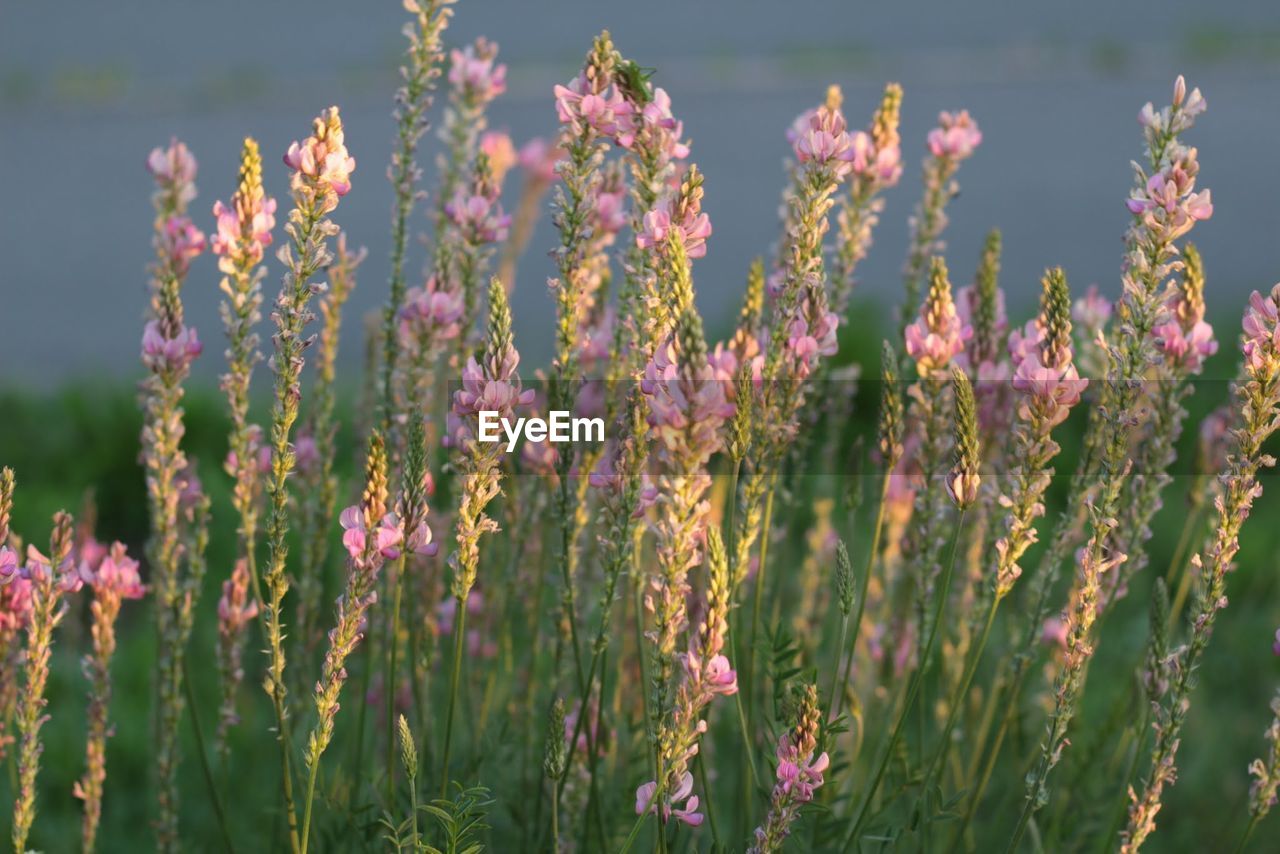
(956, 703)
(459, 634)
(765, 524)
(389, 680)
(706, 801)
(914, 689)
(876, 533)
(1117, 815)
(204, 760)
(1248, 831)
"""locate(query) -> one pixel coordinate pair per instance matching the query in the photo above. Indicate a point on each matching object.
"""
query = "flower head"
(538, 158)
(823, 139)
(684, 792)
(956, 136)
(475, 71)
(174, 169)
(181, 243)
(118, 573)
(321, 160)
(244, 226)
(1262, 333)
(236, 608)
(938, 335)
(169, 353)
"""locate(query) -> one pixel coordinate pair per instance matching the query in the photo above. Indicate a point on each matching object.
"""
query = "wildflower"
(938, 335)
(321, 160)
(174, 169)
(50, 577)
(182, 243)
(824, 140)
(116, 579)
(172, 354)
(690, 226)
(1266, 771)
(244, 226)
(479, 216)
(539, 159)
(799, 773)
(686, 814)
(500, 151)
(386, 539)
(430, 314)
(474, 69)
(956, 136)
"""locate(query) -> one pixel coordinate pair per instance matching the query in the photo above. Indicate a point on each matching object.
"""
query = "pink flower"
(956, 136)
(480, 217)
(174, 168)
(1093, 310)
(806, 345)
(1262, 332)
(693, 230)
(244, 232)
(656, 127)
(119, 573)
(687, 405)
(474, 71)
(1167, 202)
(1187, 348)
(611, 210)
(606, 112)
(182, 243)
(1052, 389)
(430, 314)
(936, 337)
(538, 158)
(177, 353)
(323, 157)
(15, 592)
(306, 455)
(824, 140)
(800, 777)
(1054, 633)
(387, 536)
(686, 814)
(497, 146)
(882, 165)
(236, 608)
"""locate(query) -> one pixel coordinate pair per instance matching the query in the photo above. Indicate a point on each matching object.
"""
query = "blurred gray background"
(87, 89)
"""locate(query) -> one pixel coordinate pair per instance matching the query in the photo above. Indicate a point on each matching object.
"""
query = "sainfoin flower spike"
(938, 335)
(799, 772)
(115, 580)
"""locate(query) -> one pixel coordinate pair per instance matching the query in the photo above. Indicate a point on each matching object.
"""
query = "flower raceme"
(938, 335)
(475, 70)
(957, 136)
(322, 158)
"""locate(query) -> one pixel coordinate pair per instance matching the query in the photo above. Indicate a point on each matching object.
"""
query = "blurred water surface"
(86, 90)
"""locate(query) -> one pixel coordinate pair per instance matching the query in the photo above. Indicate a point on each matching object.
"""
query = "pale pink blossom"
(956, 136)
(501, 151)
(480, 217)
(323, 156)
(1262, 332)
(475, 71)
(236, 608)
(606, 112)
(118, 573)
(176, 353)
(431, 313)
(686, 814)
(693, 230)
(539, 158)
(387, 535)
(824, 140)
(181, 243)
(174, 168)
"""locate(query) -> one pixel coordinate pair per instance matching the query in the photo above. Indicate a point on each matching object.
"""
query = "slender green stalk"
(459, 638)
(913, 689)
(214, 798)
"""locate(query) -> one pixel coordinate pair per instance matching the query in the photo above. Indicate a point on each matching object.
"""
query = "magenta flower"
(387, 536)
(687, 405)
(824, 140)
(174, 168)
(182, 243)
(938, 335)
(117, 573)
(806, 344)
(1168, 203)
(177, 353)
(955, 137)
(323, 157)
(479, 216)
(474, 70)
(716, 676)
(246, 232)
(686, 814)
(694, 230)
(236, 608)
(655, 126)
(1262, 332)
(608, 112)
(882, 165)
(611, 211)
(1056, 388)
(1186, 348)
(538, 158)
(431, 314)
(15, 592)
(800, 776)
